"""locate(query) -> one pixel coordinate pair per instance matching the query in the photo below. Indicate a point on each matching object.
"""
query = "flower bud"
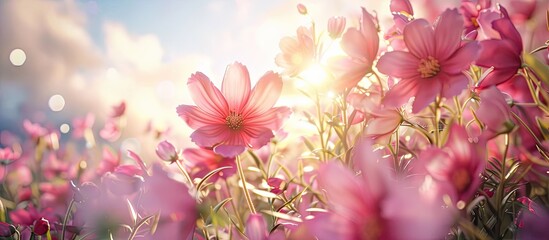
(6, 230)
(41, 226)
(336, 25)
(277, 185)
(302, 9)
(166, 151)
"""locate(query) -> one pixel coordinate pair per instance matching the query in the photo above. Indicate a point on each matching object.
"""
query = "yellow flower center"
(428, 67)
(234, 121)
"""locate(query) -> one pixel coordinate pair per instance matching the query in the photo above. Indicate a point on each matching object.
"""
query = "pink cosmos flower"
(111, 131)
(471, 11)
(433, 64)
(494, 112)
(236, 117)
(81, 124)
(336, 25)
(118, 110)
(297, 52)
(374, 205)
(34, 130)
(456, 167)
(201, 161)
(503, 54)
(361, 45)
(7, 155)
(256, 228)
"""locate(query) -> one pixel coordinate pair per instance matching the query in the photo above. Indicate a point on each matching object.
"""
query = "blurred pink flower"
(361, 46)
(41, 226)
(236, 117)
(336, 25)
(532, 221)
(433, 64)
(6, 230)
(167, 152)
(522, 10)
(256, 228)
(109, 161)
(80, 125)
(170, 198)
(374, 205)
(7, 155)
(111, 131)
(34, 130)
(494, 112)
(503, 54)
(124, 180)
(301, 9)
(26, 217)
(277, 185)
(401, 6)
(471, 10)
(457, 166)
(297, 52)
(201, 161)
(118, 110)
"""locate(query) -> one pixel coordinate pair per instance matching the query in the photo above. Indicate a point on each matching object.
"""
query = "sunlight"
(315, 74)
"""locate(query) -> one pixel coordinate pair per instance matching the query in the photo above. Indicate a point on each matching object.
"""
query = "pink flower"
(7, 155)
(470, 11)
(6, 230)
(297, 52)
(361, 45)
(35, 130)
(301, 9)
(256, 228)
(457, 166)
(336, 25)
(277, 185)
(401, 6)
(433, 64)
(118, 110)
(201, 161)
(41, 226)
(170, 198)
(533, 220)
(166, 151)
(494, 112)
(236, 117)
(503, 54)
(80, 125)
(374, 205)
(111, 131)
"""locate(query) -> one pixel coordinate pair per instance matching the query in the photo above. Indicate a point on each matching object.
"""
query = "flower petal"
(427, 91)
(369, 31)
(453, 85)
(508, 31)
(401, 92)
(499, 54)
(259, 136)
(272, 119)
(355, 45)
(206, 96)
(448, 28)
(210, 135)
(236, 86)
(264, 95)
(420, 38)
(195, 117)
(398, 64)
(229, 151)
(462, 58)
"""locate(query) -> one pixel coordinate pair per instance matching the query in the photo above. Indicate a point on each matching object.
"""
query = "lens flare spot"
(64, 128)
(18, 57)
(56, 103)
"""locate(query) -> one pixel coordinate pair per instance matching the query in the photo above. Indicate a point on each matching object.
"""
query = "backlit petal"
(195, 117)
(236, 86)
(399, 64)
(206, 96)
(420, 38)
(448, 30)
(264, 94)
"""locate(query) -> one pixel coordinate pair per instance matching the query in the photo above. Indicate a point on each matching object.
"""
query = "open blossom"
(236, 117)
(433, 64)
(503, 53)
(374, 205)
(361, 46)
(456, 167)
(297, 52)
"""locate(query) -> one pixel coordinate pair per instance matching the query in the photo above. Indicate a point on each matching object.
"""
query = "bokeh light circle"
(56, 103)
(18, 57)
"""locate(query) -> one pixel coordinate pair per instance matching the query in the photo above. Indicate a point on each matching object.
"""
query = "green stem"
(243, 180)
(66, 218)
(185, 174)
